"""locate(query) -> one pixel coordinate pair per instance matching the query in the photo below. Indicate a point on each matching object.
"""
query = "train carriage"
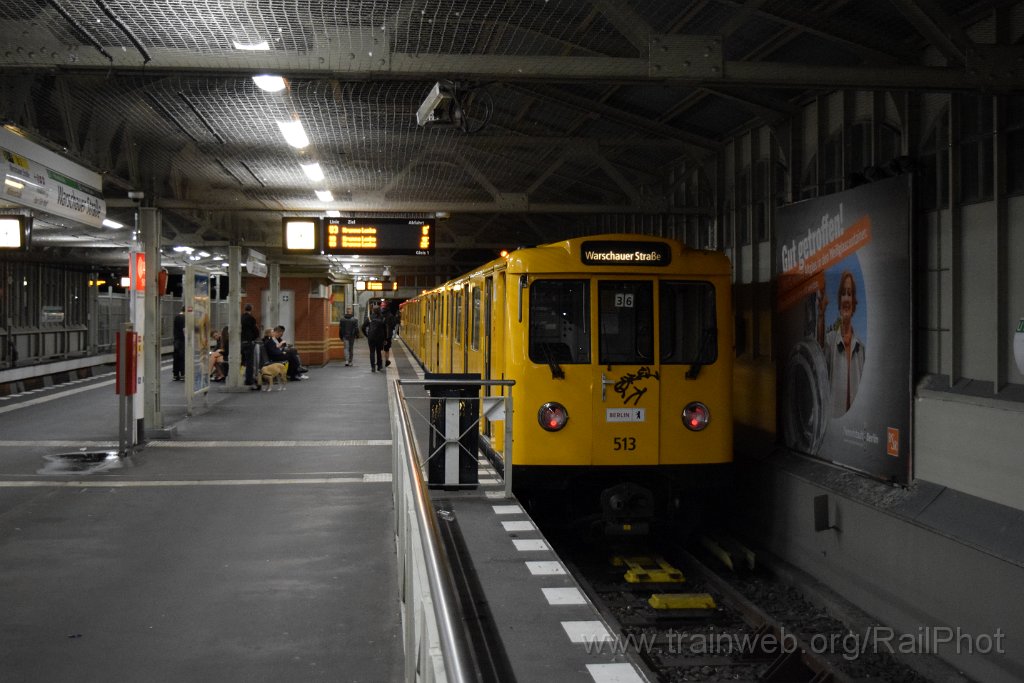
(621, 349)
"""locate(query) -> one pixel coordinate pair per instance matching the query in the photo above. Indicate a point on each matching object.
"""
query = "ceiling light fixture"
(324, 195)
(313, 171)
(333, 213)
(260, 46)
(294, 134)
(112, 224)
(269, 83)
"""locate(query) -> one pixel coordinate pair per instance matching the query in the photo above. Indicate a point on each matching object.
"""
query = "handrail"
(458, 382)
(454, 642)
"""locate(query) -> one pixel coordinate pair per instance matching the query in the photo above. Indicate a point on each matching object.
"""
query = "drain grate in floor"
(81, 462)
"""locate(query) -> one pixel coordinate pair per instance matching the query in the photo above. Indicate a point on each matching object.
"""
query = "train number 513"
(624, 443)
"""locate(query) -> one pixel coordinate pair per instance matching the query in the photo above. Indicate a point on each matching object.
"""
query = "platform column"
(149, 231)
(234, 316)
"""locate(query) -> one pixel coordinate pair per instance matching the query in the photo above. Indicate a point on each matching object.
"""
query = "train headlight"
(696, 416)
(552, 416)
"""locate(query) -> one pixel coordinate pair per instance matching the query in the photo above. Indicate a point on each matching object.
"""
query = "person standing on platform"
(178, 361)
(348, 330)
(375, 331)
(390, 322)
(250, 335)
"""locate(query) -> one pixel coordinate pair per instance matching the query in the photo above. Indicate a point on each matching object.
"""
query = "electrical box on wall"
(318, 291)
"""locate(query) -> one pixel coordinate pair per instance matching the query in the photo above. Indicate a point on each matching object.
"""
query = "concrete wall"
(895, 568)
(975, 447)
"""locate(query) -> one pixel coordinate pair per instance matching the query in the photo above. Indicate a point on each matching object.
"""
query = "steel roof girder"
(685, 56)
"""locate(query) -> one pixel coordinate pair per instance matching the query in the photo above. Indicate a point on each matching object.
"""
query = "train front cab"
(638, 358)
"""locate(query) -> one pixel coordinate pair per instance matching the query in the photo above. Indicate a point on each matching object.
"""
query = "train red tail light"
(552, 416)
(696, 416)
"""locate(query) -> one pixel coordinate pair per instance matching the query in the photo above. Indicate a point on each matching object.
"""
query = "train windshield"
(626, 314)
(559, 321)
(688, 330)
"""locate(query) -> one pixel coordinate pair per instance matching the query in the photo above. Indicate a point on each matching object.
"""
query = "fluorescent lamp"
(204, 254)
(126, 282)
(324, 195)
(333, 213)
(262, 45)
(14, 183)
(218, 258)
(269, 83)
(313, 171)
(112, 224)
(293, 133)
(10, 233)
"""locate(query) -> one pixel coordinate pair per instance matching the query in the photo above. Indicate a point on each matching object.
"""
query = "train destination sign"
(394, 237)
(608, 253)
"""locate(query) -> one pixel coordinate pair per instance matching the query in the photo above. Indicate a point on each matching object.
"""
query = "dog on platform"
(271, 371)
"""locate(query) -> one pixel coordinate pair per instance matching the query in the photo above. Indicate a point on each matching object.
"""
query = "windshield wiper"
(556, 369)
(710, 333)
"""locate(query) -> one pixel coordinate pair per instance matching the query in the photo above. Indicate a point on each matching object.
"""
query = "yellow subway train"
(621, 349)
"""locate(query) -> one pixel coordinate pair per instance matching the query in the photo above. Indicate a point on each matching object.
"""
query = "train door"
(626, 375)
(485, 362)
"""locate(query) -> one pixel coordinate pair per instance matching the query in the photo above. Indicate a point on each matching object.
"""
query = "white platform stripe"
(275, 444)
(54, 396)
(545, 568)
(587, 631)
(530, 545)
(507, 509)
(60, 444)
(494, 494)
(564, 596)
(519, 526)
(94, 484)
(614, 673)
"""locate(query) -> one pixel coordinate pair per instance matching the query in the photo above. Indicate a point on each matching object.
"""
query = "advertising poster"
(196, 297)
(844, 336)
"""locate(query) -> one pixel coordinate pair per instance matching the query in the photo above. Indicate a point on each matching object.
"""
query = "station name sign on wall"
(351, 236)
(36, 178)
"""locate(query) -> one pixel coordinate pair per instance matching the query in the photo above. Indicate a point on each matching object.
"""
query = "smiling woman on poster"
(844, 352)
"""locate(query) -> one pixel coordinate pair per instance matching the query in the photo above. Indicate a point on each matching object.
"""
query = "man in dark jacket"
(250, 334)
(375, 331)
(348, 330)
(390, 322)
(178, 360)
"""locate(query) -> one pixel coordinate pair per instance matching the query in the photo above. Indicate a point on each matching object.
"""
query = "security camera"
(435, 109)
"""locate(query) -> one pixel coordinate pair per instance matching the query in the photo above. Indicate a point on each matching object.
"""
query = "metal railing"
(436, 644)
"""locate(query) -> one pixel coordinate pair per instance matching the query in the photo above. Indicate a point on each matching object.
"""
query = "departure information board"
(347, 236)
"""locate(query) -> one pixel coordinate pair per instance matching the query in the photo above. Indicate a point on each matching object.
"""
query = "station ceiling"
(563, 109)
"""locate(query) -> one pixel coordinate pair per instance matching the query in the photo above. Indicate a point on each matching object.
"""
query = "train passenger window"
(689, 333)
(458, 317)
(626, 316)
(559, 321)
(474, 320)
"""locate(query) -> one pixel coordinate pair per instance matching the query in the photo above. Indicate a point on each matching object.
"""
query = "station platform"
(256, 544)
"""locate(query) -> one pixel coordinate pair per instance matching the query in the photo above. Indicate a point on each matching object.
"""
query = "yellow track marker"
(648, 570)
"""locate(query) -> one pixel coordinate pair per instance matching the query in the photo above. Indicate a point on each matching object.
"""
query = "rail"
(438, 648)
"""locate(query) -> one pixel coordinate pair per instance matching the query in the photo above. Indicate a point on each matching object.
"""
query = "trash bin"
(454, 431)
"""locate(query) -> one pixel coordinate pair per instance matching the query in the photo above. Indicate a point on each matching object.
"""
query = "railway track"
(687, 620)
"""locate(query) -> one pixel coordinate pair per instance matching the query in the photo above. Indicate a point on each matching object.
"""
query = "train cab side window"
(689, 334)
(559, 321)
(626, 316)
